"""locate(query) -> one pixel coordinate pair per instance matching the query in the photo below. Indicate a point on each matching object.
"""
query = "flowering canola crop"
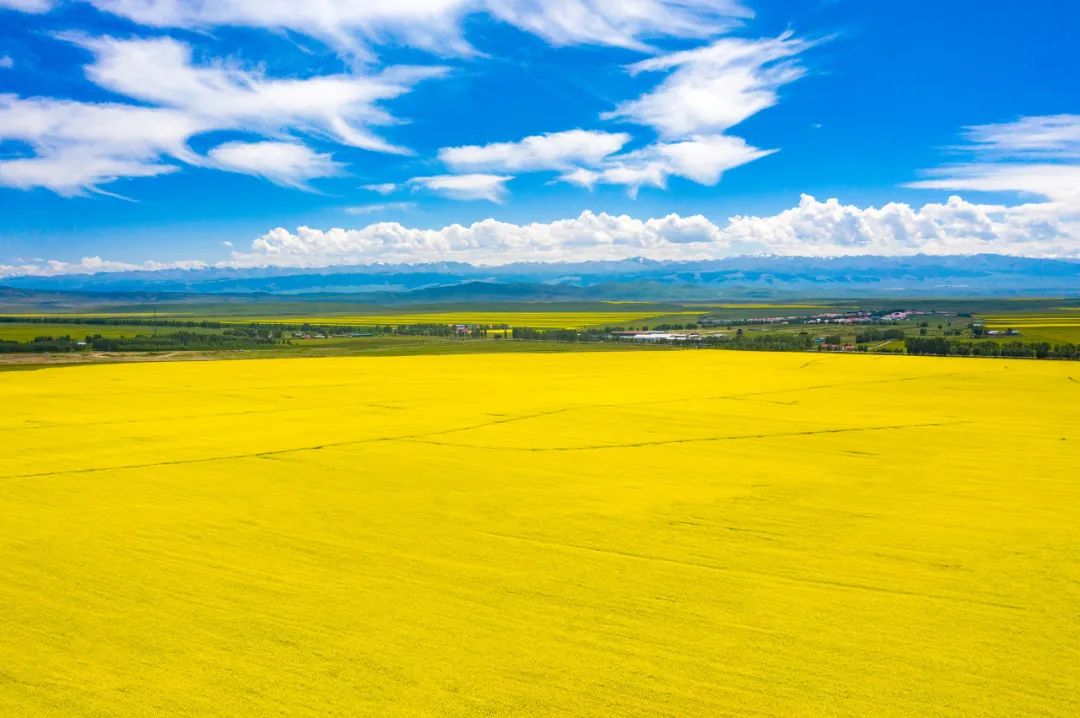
(676, 533)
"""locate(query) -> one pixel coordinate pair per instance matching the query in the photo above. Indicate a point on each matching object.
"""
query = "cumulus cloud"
(551, 151)
(79, 146)
(812, 229)
(955, 227)
(6, 62)
(466, 187)
(284, 163)
(353, 26)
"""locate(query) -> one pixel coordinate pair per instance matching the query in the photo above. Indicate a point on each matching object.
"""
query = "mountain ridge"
(741, 277)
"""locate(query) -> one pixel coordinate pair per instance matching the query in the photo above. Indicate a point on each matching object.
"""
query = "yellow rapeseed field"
(693, 533)
(537, 320)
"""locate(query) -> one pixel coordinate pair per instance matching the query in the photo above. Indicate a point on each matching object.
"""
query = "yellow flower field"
(691, 533)
(536, 320)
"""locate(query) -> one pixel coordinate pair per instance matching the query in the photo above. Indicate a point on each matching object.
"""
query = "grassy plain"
(616, 533)
(23, 332)
(536, 319)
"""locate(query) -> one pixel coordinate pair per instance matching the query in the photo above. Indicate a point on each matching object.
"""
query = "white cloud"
(91, 265)
(701, 159)
(621, 24)
(465, 187)
(383, 188)
(708, 90)
(1053, 136)
(34, 6)
(587, 158)
(713, 88)
(436, 25)
(551, 151)
(1059, 182)
(117, 128)
(284, 163)
(6, 63)
(341, 107)
(71, 172)
(379, 207)
(811, 229)
(1038, 156)
(347, 108)
(79, 146)
(954, 227)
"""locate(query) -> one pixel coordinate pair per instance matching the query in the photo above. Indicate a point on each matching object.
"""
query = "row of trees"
(941, 346)
(113, 321)
(173, 341)
(560, 335)
(38, 345)
(786, 341)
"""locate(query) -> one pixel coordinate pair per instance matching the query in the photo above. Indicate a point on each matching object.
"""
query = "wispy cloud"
(713, 88)
(365, 209)
(707, 91)
(1045, 136)
(465, 187)
(354, 27)
(79, 146)
(551, 151)
(344, 107)
(701, 159)
(31, 6)
(284, 163)
(1038, 156)
(383, 188)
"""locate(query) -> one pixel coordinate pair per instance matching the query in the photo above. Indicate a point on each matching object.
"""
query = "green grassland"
(390, 345)
(27, 331)
(1052, 320)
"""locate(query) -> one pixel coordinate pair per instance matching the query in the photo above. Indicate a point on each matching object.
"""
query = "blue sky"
(169, 131)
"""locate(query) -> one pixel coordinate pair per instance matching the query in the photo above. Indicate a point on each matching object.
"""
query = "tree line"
(174, 341)
(940, 346)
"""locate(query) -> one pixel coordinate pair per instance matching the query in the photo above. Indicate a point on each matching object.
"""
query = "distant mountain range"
(635, 279)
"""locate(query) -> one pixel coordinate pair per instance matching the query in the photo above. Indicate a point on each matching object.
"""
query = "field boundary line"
(418, 437)
(664, 442)
(753, 572)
